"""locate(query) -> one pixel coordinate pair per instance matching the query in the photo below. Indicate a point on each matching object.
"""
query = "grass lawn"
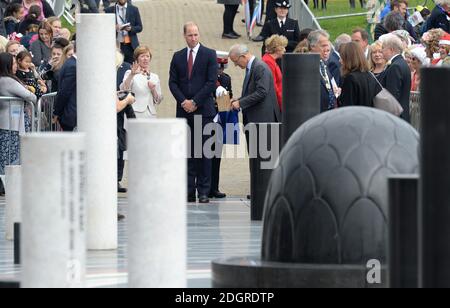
(67, 25)
(345, 25)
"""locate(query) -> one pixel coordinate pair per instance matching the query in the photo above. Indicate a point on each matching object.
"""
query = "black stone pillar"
(264, 147)
(16, 243)
(301, 91)
(435, 178)
(403, 231)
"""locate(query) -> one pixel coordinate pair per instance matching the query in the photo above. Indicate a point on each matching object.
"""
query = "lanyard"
(122, 18)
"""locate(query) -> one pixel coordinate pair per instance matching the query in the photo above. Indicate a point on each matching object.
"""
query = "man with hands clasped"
(193, 78)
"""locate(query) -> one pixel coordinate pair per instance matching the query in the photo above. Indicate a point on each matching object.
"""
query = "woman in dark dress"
(359, 86)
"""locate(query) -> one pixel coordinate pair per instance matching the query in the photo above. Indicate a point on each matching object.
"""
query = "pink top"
(35, 2)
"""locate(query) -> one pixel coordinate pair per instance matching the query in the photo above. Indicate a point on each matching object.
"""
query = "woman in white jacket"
(144, 84)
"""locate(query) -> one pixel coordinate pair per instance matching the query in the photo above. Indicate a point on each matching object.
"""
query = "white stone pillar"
(96, 107)
(157, 249)
(53, 229)
(13, 199)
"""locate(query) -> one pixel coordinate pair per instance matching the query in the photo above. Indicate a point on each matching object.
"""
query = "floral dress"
(10, 146)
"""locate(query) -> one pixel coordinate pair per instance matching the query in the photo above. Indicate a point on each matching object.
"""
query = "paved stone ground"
(163, 21)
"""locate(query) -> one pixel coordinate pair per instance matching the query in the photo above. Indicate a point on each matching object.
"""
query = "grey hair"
(189, 24)
(442, 2)
(392, 41)
(314, 37)
(394, 21)
(341, 40)
(238, 50)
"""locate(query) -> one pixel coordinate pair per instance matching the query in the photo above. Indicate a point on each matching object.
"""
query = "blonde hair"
(376, 45)
(52, 19)
(119, 58)
(3, 42)
(275, 43)
(431, 41)
(65, 33)
(140, 51)
(302, 47)
(11, 43)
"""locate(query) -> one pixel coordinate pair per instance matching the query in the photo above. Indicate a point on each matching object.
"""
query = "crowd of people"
(33, 50)
(42, 59)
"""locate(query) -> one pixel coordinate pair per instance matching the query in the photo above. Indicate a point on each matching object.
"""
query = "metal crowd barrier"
(44, 110)
(414, 110)
(12, 121)
(11, 110)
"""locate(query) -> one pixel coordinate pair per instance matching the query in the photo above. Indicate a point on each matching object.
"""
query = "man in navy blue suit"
(334, 64)
(319, 42)
(66, 100)
(193, 78)
(128, 25)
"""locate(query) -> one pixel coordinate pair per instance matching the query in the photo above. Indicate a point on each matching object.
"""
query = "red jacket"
(277, 77)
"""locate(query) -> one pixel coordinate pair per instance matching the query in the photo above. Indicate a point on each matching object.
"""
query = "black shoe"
(237, 34)
(120, 217)
(259, 38)
(120, 189)
(191, 199)
(249, 197)
(259, 24)
(217, 194)
(203, 199)
(230, 36)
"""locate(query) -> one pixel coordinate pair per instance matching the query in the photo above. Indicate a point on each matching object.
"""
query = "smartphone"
(125, 25)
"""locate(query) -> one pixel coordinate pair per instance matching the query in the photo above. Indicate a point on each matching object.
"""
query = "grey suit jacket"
(259, 100)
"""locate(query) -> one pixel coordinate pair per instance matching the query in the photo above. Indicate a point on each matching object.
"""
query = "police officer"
(282, 25)
(223, 86)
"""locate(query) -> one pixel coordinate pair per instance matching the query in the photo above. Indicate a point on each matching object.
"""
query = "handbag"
(384, 100)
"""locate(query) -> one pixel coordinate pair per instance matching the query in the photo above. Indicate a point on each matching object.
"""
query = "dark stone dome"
(327, 200)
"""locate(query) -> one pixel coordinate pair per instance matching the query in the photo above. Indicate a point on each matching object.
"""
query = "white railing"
(303, 14)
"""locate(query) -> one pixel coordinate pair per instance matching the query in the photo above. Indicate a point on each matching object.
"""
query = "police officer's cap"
(283, 3)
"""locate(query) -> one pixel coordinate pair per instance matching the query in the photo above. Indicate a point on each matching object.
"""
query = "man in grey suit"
(258, 101)
(259, 105)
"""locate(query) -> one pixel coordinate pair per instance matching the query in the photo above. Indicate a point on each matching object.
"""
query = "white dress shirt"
(194, 53)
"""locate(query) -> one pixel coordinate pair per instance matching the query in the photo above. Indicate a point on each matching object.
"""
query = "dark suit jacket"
(438, 19)
(202, 85)
(359, 89)
(121, 132)
(259, 100)
(290, 30)
(397, 80)
(324, 92)
(134, 18)
(66, 100)
(121, 73)
(381, 30)
(270, 10)
(335, 67)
